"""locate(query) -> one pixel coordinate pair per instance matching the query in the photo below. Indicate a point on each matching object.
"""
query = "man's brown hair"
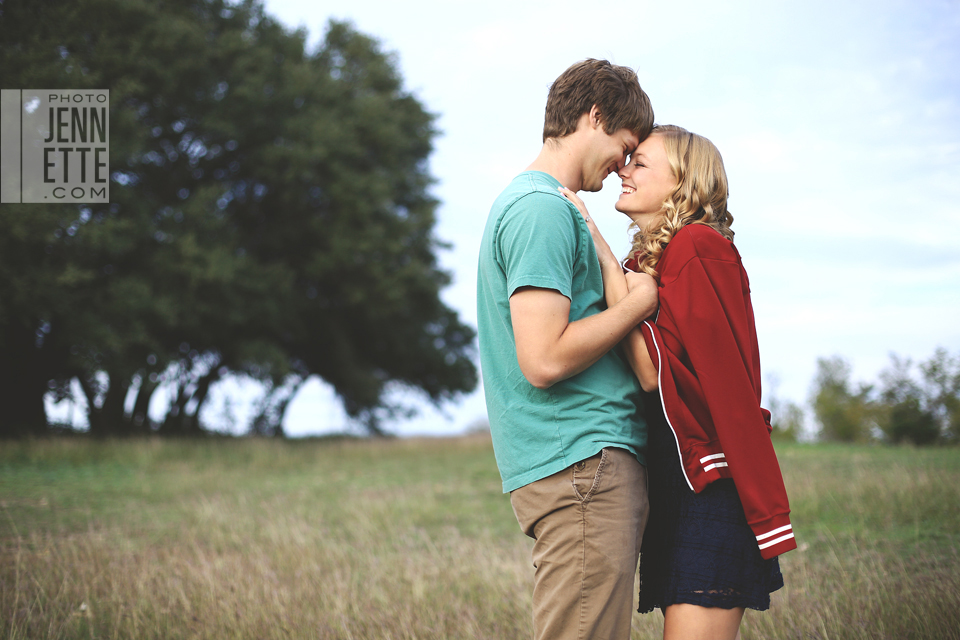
(615, 90)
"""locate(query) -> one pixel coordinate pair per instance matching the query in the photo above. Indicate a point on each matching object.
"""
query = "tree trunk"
(282, 408)
(139, 417)
(173, 421)
(193, 426)
(114, 420)
(94, 417)
(23, 384)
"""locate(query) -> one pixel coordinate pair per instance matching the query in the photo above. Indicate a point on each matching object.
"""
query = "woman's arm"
(616, 285)
(635, 347)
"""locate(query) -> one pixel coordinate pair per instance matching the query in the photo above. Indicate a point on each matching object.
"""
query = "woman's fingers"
(577, 202)
(604, 254)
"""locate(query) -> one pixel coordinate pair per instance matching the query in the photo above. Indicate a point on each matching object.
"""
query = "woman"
(719, 515)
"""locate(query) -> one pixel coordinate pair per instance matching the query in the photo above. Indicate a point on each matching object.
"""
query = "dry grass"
(412, 539)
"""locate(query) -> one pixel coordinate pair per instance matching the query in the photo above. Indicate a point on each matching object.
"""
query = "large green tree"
(270, 216)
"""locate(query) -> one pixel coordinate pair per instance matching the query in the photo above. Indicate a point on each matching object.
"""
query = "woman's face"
(647, 181)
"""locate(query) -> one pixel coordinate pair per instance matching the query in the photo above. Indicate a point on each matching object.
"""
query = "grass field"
(413, 539)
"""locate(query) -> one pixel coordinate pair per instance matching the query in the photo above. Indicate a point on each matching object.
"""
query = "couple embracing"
(571, 338)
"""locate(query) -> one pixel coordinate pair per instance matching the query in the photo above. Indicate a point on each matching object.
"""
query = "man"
(564, 408)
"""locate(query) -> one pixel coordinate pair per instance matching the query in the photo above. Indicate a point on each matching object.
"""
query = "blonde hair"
(700, 196)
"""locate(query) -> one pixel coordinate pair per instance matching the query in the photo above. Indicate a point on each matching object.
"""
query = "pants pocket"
(587, 475)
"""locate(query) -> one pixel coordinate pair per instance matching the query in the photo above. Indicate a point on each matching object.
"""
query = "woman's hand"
(604, 253)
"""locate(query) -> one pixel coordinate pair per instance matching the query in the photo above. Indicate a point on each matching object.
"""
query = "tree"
(786, 417)
(843, 415)
(922, 409)
(941, 379)
(270, 217)
(905, 408)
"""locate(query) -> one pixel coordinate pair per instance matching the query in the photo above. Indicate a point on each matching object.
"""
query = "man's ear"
(596, 119)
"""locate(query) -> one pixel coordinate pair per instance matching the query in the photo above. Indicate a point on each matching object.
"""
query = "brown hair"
(700, 196)
(614, 89)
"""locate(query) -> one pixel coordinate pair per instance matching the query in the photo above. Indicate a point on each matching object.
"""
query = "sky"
(838, 122)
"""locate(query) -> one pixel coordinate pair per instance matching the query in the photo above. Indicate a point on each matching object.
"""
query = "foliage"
(941, 378)
(786, 417)
(921, 410)
(788, 422)
(270, 217)
(844, 415)
(914, 402)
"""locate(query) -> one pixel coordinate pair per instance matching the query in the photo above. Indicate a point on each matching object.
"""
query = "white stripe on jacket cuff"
(776, 541)
(788, 527)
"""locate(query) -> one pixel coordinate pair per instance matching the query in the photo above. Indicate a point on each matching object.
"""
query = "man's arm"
(550, 348)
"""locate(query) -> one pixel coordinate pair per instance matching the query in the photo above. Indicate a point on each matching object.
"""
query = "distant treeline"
(916, 402)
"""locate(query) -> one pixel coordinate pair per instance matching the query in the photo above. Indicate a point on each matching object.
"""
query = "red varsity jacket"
(704, 346)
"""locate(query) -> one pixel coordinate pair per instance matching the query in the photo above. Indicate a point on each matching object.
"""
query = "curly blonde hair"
(700, 196)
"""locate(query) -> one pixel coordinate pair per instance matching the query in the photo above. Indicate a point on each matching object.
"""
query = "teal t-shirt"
(535, 237)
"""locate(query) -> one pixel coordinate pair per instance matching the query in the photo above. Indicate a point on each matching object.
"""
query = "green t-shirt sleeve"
(538, 243)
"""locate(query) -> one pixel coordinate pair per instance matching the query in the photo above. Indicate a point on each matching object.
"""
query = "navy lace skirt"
(697, 548)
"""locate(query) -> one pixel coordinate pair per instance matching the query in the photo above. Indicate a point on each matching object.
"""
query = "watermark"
(54, 145)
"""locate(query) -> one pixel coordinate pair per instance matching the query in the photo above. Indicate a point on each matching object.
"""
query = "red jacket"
(704, 346)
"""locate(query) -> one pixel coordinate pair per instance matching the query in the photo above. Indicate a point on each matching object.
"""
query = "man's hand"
(643, 282)
(634, 345)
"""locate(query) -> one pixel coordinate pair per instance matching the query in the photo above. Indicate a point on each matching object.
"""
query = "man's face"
(608, 155)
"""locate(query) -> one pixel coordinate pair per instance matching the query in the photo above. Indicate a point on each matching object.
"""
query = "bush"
(844, 416)
(907, 420)
(924, 409)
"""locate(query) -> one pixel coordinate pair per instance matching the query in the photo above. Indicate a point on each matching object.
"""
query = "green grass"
(413, 539)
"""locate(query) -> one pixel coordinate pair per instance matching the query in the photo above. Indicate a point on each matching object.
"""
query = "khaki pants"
(588, 522)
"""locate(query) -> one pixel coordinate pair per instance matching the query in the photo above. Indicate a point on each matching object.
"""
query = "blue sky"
(839, 123)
